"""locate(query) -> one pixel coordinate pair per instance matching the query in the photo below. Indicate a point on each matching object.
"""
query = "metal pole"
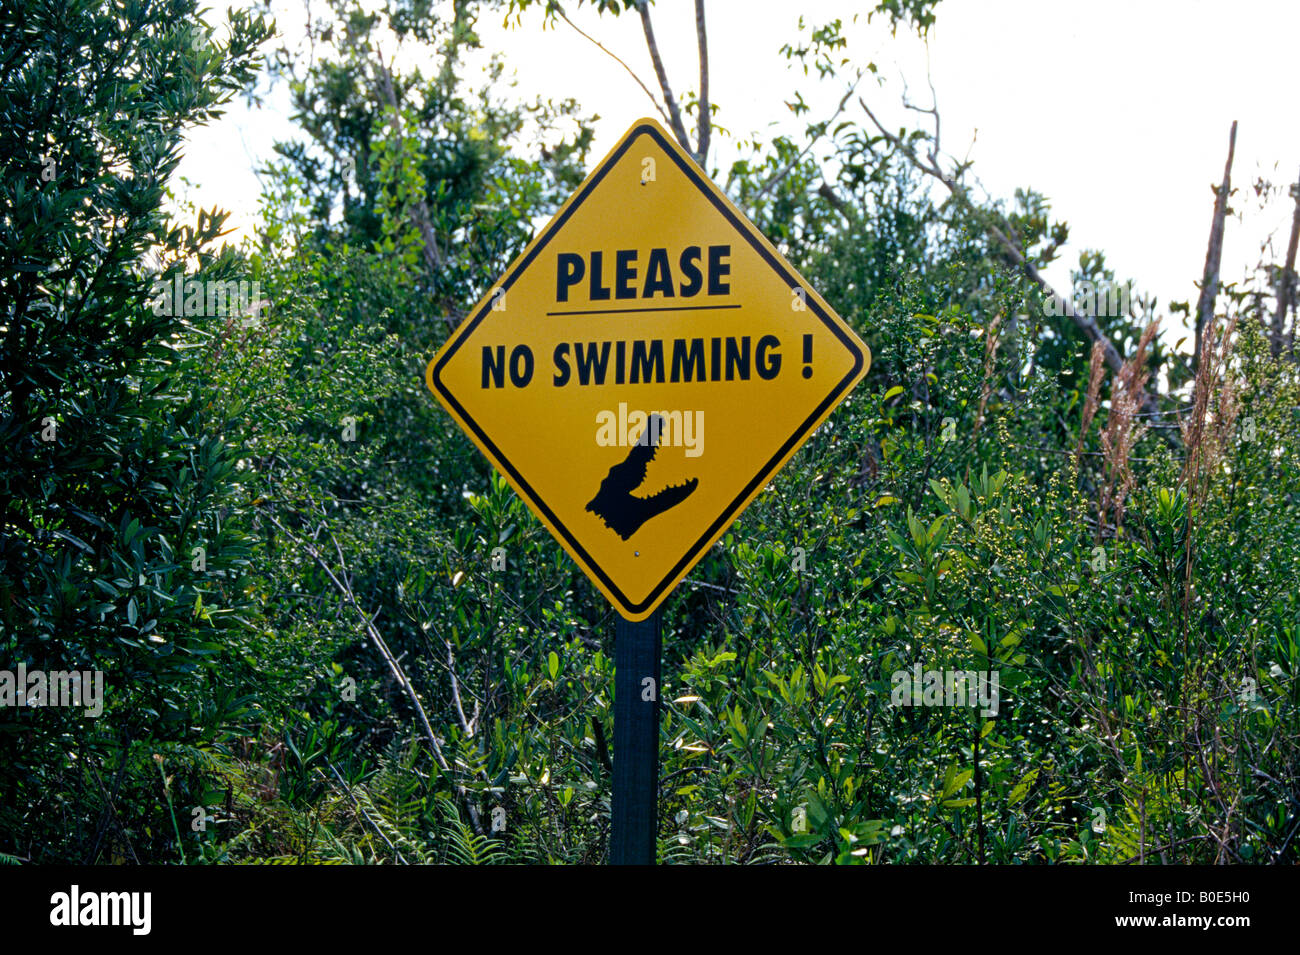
(636, 741)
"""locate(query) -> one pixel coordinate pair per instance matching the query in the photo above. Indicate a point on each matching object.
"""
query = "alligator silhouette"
(614, 503)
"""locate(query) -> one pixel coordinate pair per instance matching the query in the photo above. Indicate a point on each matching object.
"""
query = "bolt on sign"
(644, 368)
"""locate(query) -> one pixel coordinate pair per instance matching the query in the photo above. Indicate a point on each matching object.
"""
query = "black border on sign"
(746, 229)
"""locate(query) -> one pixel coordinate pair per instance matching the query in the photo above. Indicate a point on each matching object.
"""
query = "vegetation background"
(278, 547)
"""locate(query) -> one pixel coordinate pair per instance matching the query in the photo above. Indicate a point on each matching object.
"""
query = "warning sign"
(644, 368)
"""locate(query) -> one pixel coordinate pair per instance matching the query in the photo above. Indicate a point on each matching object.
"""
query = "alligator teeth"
(621, 510)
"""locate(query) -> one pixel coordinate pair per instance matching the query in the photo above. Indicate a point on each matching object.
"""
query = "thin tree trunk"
(674, 114)
(1286, 283)
(1214, 251)
(705, 120)
(342, 582)
(1085, 323)
(419, 210)
(617, 59)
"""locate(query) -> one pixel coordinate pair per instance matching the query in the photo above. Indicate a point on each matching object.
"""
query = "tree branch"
(821, 131)
(617, 60)
(1085, 323)
(345, 589)
(1214, 251)
(674, 114)
(466, 723)
(1286, 283)
(419, 210)
(705, 119)
(838, 204)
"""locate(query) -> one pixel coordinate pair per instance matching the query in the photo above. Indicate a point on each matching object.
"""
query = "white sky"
(1117, 111)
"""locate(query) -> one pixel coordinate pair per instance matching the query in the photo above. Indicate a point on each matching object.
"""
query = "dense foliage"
(330, 632)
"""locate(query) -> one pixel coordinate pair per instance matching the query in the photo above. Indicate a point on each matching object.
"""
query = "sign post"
(637, 653)
(639, 375)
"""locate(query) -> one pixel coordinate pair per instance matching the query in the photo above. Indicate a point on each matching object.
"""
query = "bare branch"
(705, 120)
(674, 114)
(1214, 250)
(821, 128)
(341, 582)
(935, 147)
(419, 210)
(1085, 323)
(1286, 283)
(616, 59)
(838, 204)
(359, 809)
(466, 723)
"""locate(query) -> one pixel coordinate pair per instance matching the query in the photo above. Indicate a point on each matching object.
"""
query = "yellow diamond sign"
(644, 368)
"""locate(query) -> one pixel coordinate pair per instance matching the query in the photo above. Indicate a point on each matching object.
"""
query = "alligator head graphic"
(615, 504)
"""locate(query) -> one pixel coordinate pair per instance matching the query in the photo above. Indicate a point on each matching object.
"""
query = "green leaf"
(805, 840)
(1021, 789)
(954, 780)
